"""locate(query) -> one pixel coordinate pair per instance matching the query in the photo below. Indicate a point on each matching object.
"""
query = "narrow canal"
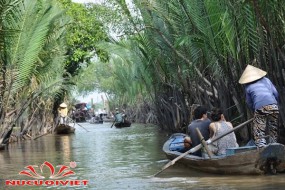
(117, 159)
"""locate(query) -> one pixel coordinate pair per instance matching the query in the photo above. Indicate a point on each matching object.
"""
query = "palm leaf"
(34, 28)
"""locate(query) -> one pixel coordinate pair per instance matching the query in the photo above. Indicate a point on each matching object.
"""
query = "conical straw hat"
(63, 105)
(251, 74)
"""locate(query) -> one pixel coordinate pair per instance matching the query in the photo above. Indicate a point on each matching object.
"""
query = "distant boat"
(64, 129)
(105, 119)
(3, 146)
(4, 141)
(81, 114)
(241, 160)
(95, 121)
(123, 124)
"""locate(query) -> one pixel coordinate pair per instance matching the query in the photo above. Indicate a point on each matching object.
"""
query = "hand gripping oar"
(199, 146)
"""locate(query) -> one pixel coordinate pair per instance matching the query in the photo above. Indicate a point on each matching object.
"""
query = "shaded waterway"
(117, 159)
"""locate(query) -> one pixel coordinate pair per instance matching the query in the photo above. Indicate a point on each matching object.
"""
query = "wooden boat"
(108, 119)
(64, 129)
(241, 160)
(95, 121)
(4, 141)
(123, 124)
(3, 146)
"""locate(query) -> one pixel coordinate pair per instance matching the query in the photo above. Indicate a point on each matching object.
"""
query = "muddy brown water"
(116, 159)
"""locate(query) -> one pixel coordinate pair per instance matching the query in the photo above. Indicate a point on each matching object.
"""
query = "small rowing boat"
(64, 129)
(95, 121)
(123, 124)
(241, 160)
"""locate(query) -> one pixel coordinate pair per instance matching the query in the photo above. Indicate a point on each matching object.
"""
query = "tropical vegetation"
(41, 52)
(157, 59)
(176, 54)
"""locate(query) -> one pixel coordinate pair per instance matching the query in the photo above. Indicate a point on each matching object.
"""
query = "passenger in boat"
(201, 122)
(100, 117)
(62, 110)
(262, 99)
(124, 115)
(114, 112)
(187, 143)
(218, 127)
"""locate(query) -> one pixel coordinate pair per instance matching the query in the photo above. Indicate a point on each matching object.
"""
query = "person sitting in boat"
(218, 127)
(97, 117)
(62, 110)
(101, 117)
(201, 122)
(187, 143)
(124, 115)
(114, 113)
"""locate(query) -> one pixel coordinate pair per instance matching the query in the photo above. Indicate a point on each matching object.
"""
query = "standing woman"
(62, 110)
(262, 99)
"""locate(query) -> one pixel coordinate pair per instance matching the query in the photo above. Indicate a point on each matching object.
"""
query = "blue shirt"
(260, 93)
(118, 117)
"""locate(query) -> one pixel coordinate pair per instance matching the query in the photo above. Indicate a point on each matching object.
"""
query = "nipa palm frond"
(35, 26)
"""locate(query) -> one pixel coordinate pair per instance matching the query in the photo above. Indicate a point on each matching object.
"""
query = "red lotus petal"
(50, 166)
(32, 169)
(62, 168)
(70, 172)
(27, 173)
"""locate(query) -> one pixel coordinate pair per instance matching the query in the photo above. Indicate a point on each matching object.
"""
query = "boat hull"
(247, 160)
(96, 121)
(64, 129)
(3, 146)
(123, 124)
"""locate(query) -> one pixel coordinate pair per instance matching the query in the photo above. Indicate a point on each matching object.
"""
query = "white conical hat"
(63, 105)
(251, 74)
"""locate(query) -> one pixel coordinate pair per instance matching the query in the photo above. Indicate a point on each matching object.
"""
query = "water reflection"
(119, 159)
(63, 145)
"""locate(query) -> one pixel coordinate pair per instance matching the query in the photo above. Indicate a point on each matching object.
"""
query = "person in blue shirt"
(118, 116)
(262, 99)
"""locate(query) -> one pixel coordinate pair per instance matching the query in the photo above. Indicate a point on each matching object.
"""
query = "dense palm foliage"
(161, 58)
(33, 64)
(193, 52)
(41, 51)
(32, 51)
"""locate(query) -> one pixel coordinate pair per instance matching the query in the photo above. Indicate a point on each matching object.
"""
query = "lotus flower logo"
(63, 171)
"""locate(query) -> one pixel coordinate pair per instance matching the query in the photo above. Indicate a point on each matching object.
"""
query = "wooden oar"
(113, 123)
(204, 143)
(78, 124)
(199, 146)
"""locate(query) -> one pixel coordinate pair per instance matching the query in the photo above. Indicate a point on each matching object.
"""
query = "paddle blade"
(157, 173)
(165, 167)
(168, 165)
(113, 124)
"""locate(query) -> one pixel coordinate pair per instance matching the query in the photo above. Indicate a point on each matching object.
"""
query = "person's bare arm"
(212, 129)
